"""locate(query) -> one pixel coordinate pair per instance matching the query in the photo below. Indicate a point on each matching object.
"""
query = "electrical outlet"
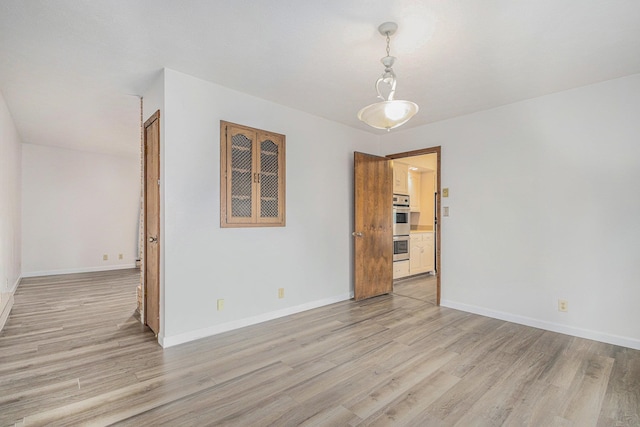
(120, 256)
(563, 305)
(105, 257)
(445, 211)
(220, 304)
(280, 292)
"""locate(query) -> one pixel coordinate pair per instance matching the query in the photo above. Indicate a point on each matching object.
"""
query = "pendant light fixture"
(388, 113)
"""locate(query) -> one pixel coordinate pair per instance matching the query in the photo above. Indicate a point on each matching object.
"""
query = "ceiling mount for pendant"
(388, 28)
(389, 113)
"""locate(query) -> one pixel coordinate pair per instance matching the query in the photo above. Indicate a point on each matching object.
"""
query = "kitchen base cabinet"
(429, 252)
(421, 253)
(416, 253)
(400, 269)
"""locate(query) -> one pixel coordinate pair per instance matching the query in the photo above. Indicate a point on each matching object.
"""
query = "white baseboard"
(6, 303)
(543, 324)
(241, 323)
(78, 270)
(15, 285)
(5, 308)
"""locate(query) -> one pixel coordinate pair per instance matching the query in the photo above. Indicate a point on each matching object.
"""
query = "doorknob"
(153, 239)
(357, 234)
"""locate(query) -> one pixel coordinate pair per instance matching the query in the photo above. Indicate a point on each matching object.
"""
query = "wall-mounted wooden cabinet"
(252, 177)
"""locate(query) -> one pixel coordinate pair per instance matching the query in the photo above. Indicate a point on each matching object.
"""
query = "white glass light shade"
(388, 114)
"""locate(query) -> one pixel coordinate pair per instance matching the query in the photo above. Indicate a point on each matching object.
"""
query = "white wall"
(545, 204)
(77, 206)
(310, 257)
(153, 99)
(10, 238)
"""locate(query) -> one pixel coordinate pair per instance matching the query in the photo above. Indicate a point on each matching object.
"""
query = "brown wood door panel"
(243, 173)
(273, 189)
(152, 222)
(373, 253)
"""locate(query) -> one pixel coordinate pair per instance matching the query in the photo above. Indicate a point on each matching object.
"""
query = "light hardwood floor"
(422, 287)
(73, 353)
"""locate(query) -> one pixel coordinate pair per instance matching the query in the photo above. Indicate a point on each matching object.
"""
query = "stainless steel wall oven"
(400, 248)
(401, 225)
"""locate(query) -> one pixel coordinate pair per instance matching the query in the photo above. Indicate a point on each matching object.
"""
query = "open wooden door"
(152, 222)
(373, 232)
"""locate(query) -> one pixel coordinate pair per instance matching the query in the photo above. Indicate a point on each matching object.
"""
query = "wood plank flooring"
(422, 287)
(74, 353)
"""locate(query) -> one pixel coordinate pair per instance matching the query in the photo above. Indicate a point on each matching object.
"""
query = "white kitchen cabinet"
(429, 251)
(421, 253)
(400, 269)
(400, 178)
(416, 254)
(414, 191)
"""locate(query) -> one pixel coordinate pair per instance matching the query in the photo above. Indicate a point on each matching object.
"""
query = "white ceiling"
(70, 69)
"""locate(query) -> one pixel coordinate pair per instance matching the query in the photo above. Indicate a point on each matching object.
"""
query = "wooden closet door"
(152, 222)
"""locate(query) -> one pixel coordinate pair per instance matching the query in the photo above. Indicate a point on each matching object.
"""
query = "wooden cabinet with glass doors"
(252, 177)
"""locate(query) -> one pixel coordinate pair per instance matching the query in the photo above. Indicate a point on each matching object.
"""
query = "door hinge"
(158, 183)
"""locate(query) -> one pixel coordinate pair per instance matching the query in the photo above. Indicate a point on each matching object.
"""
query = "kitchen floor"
(422, 287)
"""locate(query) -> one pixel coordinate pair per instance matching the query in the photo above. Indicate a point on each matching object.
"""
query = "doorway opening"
(421, 171)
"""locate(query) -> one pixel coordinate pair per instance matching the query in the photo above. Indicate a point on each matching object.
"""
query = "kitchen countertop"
(426, 229)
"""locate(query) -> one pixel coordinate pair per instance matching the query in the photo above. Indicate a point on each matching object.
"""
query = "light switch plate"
(445, 211)
(445, 192)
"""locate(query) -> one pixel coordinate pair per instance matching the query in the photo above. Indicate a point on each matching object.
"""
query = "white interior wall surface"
(77, 207)
(544, 205)
(310, 258)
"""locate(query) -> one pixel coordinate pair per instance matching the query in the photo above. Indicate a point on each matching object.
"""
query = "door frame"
(438, 151)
